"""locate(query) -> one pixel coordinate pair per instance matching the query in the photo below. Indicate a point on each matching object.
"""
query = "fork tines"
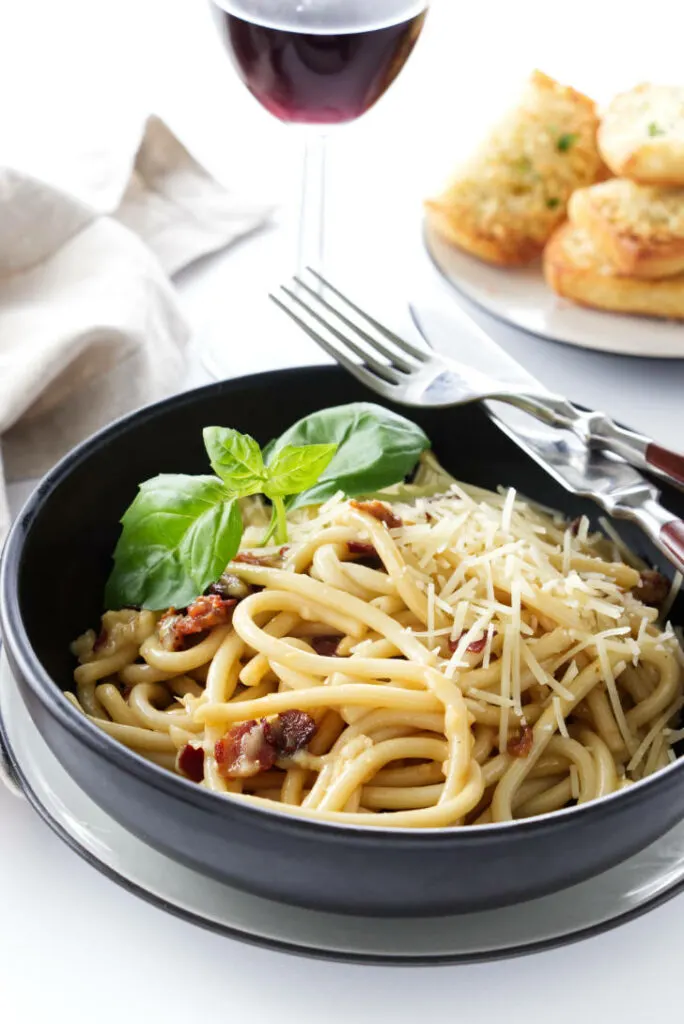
(381, 360)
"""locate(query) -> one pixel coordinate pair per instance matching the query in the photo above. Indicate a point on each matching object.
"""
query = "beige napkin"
(89, 324)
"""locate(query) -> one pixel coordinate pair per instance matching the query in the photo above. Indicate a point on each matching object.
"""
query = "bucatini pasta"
(456, 660)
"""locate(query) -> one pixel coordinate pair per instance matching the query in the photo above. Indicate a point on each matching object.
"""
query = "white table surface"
(73, 946)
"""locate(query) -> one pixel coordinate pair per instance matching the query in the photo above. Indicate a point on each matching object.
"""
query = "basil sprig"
(237, 459)
(181, 531)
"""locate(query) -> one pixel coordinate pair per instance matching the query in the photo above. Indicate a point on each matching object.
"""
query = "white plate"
(521, 297)
(611, 899)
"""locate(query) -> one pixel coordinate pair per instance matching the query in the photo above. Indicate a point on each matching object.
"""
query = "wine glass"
(316, 63)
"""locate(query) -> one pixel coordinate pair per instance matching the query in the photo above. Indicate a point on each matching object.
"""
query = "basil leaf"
(237, 459)
(376, 448)
(178, 535)
(296, 468)
(211, 542)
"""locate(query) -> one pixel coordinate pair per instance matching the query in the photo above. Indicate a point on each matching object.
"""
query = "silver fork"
(395, 368)
(404, 373)
(410, 375)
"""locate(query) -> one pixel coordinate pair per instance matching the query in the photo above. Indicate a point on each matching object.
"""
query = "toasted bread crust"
(464, 234)
(637, 228)
(508, 199)
(642, 135)
(574, 269)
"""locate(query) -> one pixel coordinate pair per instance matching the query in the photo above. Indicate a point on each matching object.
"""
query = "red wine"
(317, 77)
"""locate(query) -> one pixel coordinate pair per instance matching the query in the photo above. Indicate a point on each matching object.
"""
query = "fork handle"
(672, 541)
(665, 530)
(600, 431)
(665, 463)
(637, 449)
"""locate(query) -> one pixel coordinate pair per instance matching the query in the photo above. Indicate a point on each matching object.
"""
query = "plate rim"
(429, 234)
(300, 949)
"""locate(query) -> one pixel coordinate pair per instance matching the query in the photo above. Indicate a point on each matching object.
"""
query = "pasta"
(420, 662)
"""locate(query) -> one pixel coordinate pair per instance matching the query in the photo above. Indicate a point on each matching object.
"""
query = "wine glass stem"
(312, 213)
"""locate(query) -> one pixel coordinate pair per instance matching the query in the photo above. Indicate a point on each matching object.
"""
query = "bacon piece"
(379, 511)
(210, 610)
(476, 647)
(254, 746)
(326, 646)
(266, 561)
(290, 731)
(575, 525)
(204, 613)
(191, 762)
(245, 751)
(368, 556)
(100, 640)
(653, 587)
(169, 639)
(522, 746)
(230, 586)
(358, 547)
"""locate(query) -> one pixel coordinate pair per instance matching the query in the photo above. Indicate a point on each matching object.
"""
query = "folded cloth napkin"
(89, 324)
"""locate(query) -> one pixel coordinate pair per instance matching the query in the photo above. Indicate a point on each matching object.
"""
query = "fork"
(407, 374)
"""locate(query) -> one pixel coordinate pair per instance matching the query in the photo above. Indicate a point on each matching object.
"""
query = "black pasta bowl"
(54, 566)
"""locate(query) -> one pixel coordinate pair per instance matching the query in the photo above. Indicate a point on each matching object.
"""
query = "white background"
(72, 945)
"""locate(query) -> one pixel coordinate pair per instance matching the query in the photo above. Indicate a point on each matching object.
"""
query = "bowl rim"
(48, 692)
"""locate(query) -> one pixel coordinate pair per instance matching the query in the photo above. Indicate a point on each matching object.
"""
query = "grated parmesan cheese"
(654, 733)
(431, 610)
(490, 698)
(496, 571)
(516, 628)
(505, 689)
(476, 632)
(567, 551)
(488, 646)
(543, 677)
(560, 720)
(507, 511)
(613, 696)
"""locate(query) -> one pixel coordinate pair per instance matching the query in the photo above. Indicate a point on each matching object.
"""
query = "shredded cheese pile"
(491, 661)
